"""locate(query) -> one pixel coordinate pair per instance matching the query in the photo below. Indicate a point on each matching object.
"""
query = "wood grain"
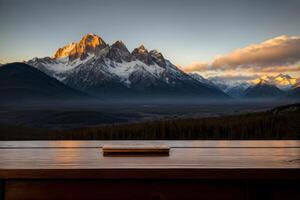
(183, 162)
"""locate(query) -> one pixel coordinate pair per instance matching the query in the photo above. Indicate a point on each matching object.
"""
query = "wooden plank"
(171, 143)
(71, 159)
(86, 158)
(141, 150)
(182, 163)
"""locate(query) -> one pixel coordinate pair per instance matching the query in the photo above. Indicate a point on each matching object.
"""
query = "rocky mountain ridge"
(93, 66)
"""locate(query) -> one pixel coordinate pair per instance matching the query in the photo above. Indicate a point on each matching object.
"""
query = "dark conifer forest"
(279, 123)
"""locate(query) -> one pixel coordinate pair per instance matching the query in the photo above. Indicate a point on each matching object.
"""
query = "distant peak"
(155, 53)
(284, 76)
(263, 82)
(119, 43)
(142, 48)
(283, 81)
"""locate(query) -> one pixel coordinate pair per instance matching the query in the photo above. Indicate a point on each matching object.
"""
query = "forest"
(278, 123)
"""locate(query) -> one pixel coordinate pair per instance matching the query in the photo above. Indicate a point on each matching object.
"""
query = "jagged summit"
(158, 58)
(93, 45)
(264, 82)
(142, 48)
(91, 40)
(89, 44)
(119, 43)
(142, 54)
(119, 52)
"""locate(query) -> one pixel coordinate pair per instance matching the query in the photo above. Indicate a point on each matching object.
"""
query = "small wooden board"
(136, 149)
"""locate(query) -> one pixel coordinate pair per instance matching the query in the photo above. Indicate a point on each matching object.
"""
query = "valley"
(152, 121)
(68, 115)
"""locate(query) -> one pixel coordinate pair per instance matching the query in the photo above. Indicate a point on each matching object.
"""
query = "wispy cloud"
(233, 77)
(280, 54)
(197, 66)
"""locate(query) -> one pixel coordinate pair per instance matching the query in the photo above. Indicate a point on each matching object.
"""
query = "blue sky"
(185, 31)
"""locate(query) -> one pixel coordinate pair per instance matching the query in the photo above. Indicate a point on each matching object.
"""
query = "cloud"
(280, 54)
(197, 66)
(281, 69)
(236, 77)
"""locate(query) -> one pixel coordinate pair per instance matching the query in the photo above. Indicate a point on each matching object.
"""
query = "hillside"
(263, 90)
(21, 82)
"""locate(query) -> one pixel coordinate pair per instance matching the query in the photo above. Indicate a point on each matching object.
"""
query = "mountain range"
(263, 87)
(104, 70)
(92, 68)
(282, 81)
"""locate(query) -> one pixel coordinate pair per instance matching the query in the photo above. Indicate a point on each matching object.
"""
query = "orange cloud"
(280, 54)
(197, 66)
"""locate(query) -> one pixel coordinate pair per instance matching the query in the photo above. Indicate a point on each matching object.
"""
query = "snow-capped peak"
(119, 52)
(142, 54)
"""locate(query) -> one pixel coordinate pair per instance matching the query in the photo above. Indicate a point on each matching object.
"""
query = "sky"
(211, 37)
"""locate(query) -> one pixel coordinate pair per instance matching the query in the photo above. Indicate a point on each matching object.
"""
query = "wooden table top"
(187, 160)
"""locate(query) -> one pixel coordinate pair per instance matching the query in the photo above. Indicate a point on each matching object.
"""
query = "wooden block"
(136, 149)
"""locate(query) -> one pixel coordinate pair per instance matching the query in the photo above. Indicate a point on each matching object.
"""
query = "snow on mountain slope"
(203, 80)
(234, 89)
(237, 91)
(92, 65)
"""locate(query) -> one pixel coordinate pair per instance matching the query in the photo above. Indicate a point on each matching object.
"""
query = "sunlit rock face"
(282, 81)
(89, 44)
